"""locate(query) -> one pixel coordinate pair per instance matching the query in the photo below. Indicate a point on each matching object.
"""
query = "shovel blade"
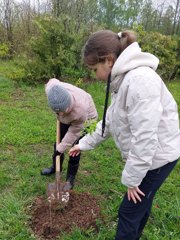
(58, 192)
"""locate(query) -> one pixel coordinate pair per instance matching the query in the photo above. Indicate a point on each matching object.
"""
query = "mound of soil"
(81, 211)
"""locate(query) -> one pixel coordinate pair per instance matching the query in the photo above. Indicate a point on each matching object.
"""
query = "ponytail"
(105, 42)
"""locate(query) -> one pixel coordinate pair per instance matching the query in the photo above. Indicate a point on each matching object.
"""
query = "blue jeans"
(133, 217)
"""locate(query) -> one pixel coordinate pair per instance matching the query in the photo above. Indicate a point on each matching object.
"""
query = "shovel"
(58, 191)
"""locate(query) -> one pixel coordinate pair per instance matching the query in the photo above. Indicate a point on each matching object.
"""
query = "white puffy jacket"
(142, 118)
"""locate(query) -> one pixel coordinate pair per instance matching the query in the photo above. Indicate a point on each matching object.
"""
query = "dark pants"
(72, 160)
(133, 217)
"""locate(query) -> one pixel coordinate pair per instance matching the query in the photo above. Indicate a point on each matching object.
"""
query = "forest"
(44, 38)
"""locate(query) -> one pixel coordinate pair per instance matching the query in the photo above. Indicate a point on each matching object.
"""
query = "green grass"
(27, 133)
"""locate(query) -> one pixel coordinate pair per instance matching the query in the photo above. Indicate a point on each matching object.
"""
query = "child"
(73, 107)
(142, 119)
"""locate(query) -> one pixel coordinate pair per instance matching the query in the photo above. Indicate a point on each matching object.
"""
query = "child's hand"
(134, 194)
(74, 151)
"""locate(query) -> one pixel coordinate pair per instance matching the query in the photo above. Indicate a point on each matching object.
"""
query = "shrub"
(51, 49)
(4, 50)
(164, 47)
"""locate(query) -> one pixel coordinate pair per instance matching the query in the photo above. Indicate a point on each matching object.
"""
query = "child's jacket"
(82, 109)
(142, 118)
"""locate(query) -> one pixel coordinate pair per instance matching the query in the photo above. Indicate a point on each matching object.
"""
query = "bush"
(4, 50)
(164, 47)
(52, 50)
(10, 69)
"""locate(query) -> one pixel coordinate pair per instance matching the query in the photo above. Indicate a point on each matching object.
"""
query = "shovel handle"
(58, 132)
(57, 142)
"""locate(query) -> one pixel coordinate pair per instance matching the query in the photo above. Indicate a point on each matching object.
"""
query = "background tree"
(176, 20)
(48, 34)
(7, 20)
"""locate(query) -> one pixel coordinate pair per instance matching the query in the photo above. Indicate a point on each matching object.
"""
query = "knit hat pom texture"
(58, 98)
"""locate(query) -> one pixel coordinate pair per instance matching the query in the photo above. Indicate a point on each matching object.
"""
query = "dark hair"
(105, 42)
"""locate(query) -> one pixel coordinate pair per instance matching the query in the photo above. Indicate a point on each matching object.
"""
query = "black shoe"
(51, 170)
(48, 171)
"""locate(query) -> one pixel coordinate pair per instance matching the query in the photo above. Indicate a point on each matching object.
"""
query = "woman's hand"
(74, 151)
(134, 194)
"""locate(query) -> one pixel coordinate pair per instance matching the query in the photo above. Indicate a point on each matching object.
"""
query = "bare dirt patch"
(82, 212)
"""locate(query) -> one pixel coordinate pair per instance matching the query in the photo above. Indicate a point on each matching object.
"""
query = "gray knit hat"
(59, 98)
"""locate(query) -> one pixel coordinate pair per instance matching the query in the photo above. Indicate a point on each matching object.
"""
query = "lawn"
(27, 134)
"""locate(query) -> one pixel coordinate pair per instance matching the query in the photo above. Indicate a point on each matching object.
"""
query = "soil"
(82, 211)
